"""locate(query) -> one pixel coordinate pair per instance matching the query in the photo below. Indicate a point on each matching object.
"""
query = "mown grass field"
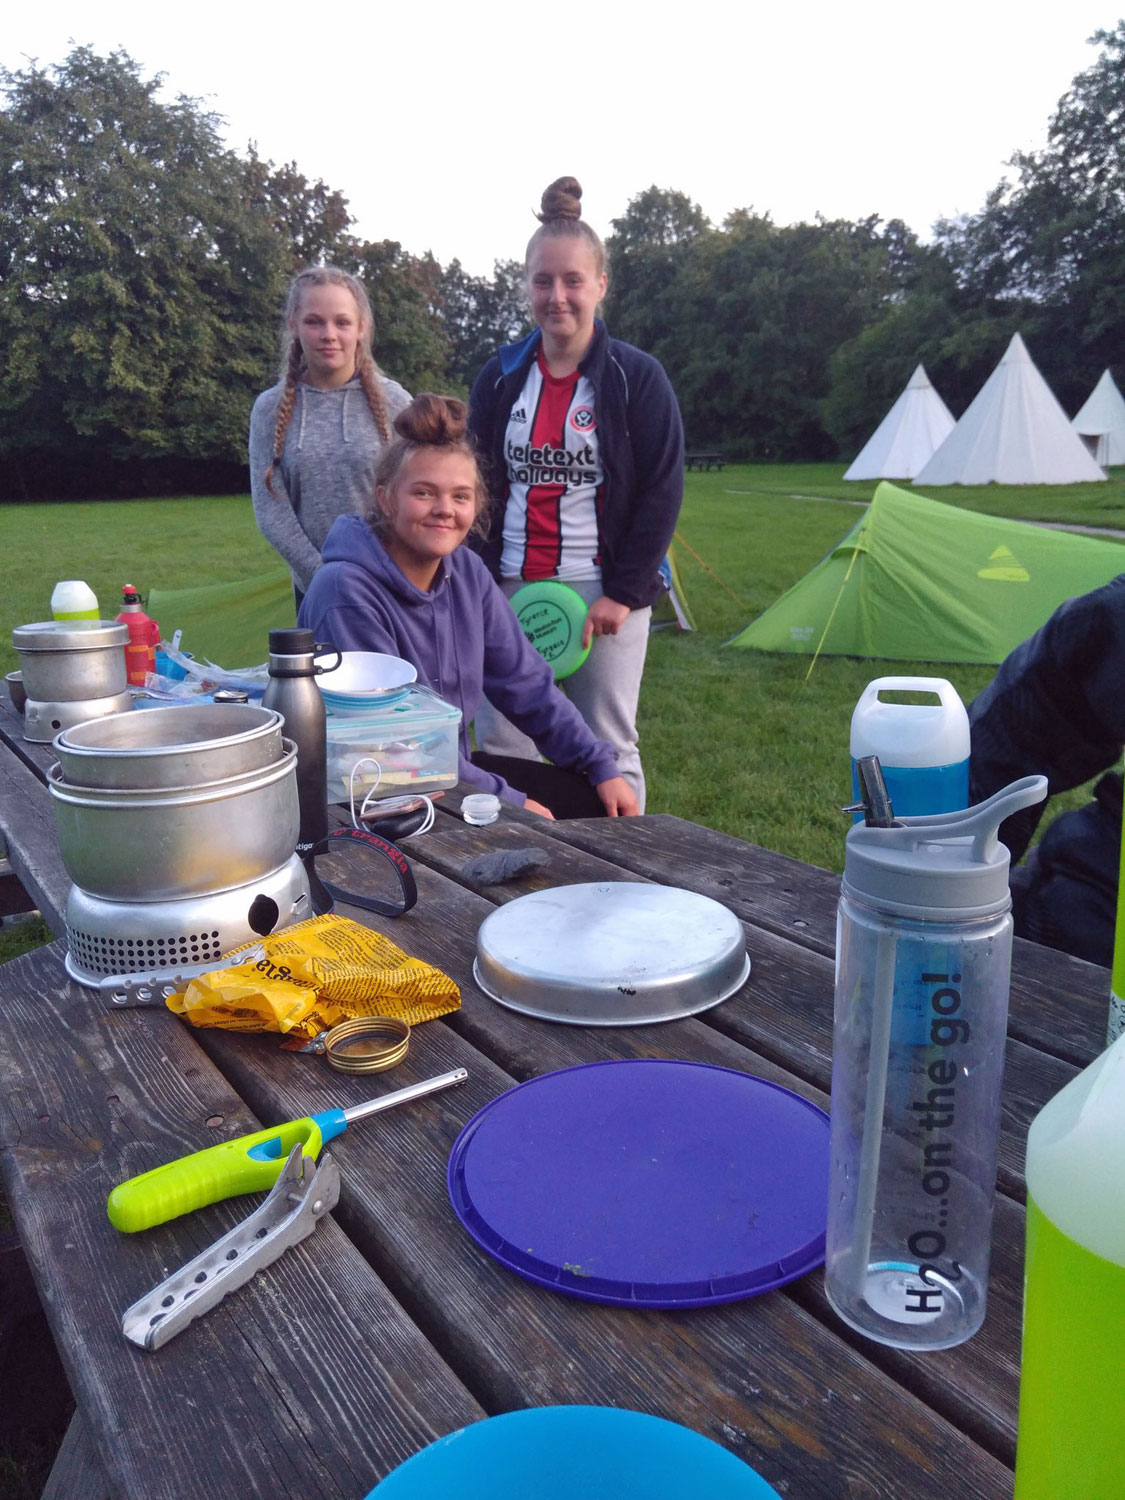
(747, 743)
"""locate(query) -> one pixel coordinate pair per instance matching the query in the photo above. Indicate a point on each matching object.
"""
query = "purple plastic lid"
(646, 1183)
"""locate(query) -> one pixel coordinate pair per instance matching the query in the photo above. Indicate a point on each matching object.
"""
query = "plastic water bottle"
(74, 600)
(923, 956)
(1071, 1439)
(923, 748)
(144, 637)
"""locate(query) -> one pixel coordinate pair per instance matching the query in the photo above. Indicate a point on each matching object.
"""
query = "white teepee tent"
(1103, 419)
(916, 425)
(1015, 432)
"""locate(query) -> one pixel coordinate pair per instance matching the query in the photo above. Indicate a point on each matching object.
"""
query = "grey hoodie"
(327, 468)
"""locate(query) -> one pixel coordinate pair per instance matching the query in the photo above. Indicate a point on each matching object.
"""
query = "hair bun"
(562, 200)
(433, 420)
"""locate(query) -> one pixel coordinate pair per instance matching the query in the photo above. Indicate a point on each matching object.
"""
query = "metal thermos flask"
(923, 952)
(293, 693)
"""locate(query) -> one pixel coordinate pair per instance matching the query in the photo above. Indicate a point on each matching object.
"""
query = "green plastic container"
(1072, 1383)
(1116, 1025)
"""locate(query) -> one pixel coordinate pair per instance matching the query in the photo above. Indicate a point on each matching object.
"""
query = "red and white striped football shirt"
(554, 479)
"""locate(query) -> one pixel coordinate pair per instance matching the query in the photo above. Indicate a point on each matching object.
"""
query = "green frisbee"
(552, 616)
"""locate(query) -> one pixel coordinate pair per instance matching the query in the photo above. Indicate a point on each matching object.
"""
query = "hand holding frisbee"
(604, 617)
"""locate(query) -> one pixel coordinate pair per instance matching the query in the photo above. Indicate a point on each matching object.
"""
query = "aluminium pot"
(170, 748)
(127, 844)
(68, 661)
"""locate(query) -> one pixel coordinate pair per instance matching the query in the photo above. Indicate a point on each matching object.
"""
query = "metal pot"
(64, 661)
(139, 845)
(171, 748)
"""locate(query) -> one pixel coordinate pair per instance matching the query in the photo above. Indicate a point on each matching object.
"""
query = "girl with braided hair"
(316, 436)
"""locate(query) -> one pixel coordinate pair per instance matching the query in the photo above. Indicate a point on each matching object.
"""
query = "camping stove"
(42, 721)
(157, 938)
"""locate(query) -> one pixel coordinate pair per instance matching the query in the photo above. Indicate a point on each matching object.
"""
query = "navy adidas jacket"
(641, 444)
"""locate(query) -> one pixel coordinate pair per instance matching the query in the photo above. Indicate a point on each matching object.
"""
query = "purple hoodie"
(463, 638)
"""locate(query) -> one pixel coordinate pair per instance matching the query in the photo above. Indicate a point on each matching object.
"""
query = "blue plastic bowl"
(560, 1452)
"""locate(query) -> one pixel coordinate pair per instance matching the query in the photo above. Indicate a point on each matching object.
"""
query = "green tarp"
(916, 580)
(227, 623)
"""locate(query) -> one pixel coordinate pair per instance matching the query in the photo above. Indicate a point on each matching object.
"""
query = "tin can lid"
(367, 1044)
(69, 635)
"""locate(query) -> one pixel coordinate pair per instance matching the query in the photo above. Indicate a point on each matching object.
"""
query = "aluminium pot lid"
(646, 1183)
(69, 635)
(611, 953)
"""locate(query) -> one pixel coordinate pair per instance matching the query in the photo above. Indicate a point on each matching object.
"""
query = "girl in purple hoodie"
(398, 580)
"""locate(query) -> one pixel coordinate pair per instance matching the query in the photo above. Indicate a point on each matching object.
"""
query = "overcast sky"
(441, 123)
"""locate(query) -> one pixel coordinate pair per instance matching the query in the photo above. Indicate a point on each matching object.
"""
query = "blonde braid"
(285, 406)
(368, 372)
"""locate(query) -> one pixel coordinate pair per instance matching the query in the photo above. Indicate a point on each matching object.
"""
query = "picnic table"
(389, 1327)
(703, 461)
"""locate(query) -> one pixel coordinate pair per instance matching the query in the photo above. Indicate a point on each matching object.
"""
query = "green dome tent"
(916, 580)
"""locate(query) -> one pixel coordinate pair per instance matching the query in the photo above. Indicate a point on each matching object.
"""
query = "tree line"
(143, 267)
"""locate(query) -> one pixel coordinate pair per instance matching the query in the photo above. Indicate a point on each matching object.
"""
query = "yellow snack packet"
(306, 978)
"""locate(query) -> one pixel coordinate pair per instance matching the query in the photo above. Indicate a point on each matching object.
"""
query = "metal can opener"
(301, 1196)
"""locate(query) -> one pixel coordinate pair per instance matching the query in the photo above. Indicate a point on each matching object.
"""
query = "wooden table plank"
(318, 1382)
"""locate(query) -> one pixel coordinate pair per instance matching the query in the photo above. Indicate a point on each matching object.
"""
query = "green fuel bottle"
(1072, 1378)
(1117, 984)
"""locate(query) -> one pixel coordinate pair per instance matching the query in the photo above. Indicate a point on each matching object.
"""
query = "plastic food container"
(408, 746)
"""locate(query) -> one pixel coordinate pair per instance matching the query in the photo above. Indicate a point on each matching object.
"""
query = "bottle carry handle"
(315, 671)
(319, 649)
(940, 687)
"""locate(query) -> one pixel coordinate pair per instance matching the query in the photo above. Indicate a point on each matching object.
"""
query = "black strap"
(390, 852)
